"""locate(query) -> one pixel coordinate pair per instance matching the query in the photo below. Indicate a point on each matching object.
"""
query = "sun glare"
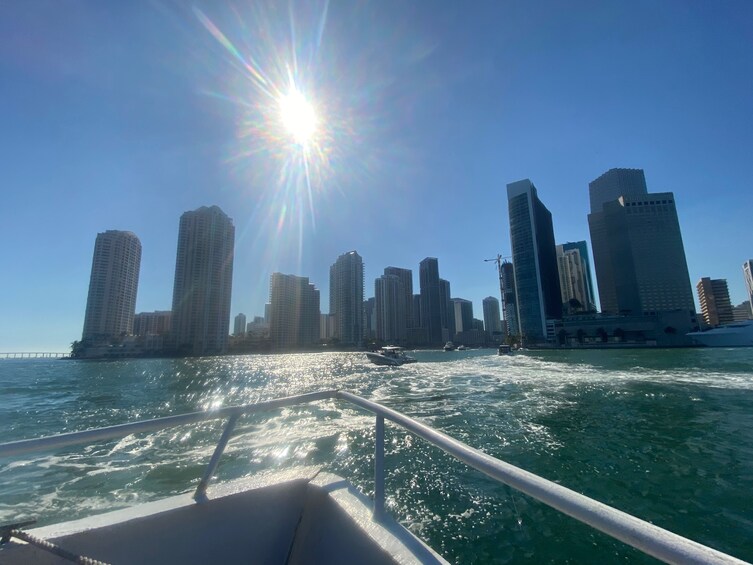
(298, 117)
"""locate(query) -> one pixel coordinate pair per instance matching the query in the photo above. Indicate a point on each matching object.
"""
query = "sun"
(298, 117)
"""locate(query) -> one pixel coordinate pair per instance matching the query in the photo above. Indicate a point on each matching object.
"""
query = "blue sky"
(123, 115)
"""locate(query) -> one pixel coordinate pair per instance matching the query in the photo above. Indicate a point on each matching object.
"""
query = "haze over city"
(124, 116)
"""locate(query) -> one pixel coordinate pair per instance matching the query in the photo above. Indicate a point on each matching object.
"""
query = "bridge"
(34, 355)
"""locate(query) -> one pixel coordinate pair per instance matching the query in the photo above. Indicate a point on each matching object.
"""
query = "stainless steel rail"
(650, 539)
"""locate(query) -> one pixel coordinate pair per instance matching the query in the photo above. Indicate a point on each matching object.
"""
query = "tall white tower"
(114, 281)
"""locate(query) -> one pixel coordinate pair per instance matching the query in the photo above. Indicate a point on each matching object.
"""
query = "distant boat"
(504, 350)
(739, 334)
(389, 355)
(462, 348)
(449, 346)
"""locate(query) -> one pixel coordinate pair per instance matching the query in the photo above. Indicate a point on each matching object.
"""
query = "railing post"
(201, 491)
(379, 468)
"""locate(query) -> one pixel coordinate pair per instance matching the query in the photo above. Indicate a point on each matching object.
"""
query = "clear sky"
(123, 115)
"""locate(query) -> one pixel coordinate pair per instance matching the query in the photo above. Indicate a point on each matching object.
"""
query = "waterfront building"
(534, 260)
(326, 327)
(258, 328)
(713, 296)
(511, 326)
(390, 316)
(748, 274)
(239, 324)
(406, 302)
(478, 325)
(463, 312)
(203, 282)
(742, 312)
(113, 284)
(417, 311)
(589, 304)
(294, 312)
(573, 281)
(267, 310)
(637, 244)
(492, 322)
(431, 316)
(346, 297)
(446, 310)
(369, 319)
(152, 323)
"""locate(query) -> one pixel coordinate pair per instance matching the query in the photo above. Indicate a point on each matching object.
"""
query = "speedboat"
(390, 355)
(504, 349)
(295, 516)
(739, 334)
(462, 348)
(449, 346)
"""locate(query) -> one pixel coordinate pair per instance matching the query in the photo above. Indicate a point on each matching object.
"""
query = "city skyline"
(429, 131)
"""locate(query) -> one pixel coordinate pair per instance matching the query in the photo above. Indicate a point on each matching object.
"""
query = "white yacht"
(739, 334)
(390, 355)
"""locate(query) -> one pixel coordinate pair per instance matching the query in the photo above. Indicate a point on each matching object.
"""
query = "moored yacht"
(738, 334)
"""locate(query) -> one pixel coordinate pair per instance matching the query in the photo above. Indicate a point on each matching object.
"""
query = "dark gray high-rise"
(637, 245)
(507, 274)
(446, 310)
(203, 282)
(406, 300)
(534, 260)
(431, 317)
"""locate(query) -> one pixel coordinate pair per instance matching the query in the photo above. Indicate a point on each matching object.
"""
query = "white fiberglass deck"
(298, 516)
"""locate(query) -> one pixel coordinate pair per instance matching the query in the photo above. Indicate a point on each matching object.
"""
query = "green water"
(664, 435)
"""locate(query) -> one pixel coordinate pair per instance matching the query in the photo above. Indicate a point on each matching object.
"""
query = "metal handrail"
(646, 537)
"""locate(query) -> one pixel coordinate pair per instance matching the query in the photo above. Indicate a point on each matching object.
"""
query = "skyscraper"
(431, 317)
(346, 297)
(748, 274)
(534, 260)
(607, 188)
(582, 248)
(239, 325)
(492, 322)
(446, 310)
(638, 251)
(713, 296)
(463, 314)
(203, 282)
(406, 302)
(511, 325)
(294, 312)
(114, 281)
(573, 280)
(390, 315)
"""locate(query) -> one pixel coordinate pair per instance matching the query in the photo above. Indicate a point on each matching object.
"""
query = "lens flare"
(298, 117)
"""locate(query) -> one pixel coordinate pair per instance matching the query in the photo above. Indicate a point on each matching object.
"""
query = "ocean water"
(665, 435)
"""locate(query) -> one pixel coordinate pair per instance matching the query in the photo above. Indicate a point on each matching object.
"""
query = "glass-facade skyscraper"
(534, 261)
(431, 317)
(203, 282)
(638, 251)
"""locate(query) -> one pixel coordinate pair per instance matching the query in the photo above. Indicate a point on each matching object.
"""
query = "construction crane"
(500, 260)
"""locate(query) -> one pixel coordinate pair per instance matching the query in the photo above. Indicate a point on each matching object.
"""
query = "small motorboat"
(462, 348)
(389, 355)
(449, 346)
